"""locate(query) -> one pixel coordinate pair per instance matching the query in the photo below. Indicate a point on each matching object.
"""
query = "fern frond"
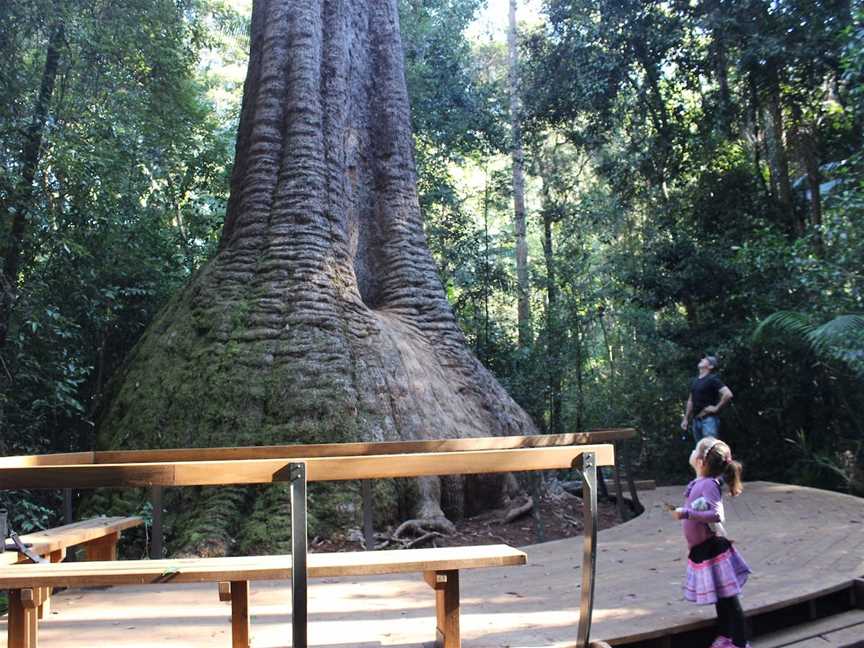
(791, 323)
(843, 330)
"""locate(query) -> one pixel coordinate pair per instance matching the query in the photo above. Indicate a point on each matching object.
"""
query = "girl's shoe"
(722, 642)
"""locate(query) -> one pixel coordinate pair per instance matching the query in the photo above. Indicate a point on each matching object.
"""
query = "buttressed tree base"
(321, 318)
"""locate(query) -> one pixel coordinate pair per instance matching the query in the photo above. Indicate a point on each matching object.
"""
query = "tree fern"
(841, 338)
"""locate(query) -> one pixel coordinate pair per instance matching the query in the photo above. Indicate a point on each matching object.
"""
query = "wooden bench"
(98, 537)
(439, 567)
(297, 465)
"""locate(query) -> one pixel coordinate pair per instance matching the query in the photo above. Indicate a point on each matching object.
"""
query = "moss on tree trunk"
(322, 318)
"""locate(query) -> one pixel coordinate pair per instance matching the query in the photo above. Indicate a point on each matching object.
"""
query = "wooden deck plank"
(837, 624)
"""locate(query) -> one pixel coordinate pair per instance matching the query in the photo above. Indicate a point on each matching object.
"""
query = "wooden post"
(368, 514)
(224, 591)
(239, 614)
(539, 530)
(631, 482)
(156, 530)
(22, 620)
(45, 609)
(68, 513)
(446, 586)
(103, 548)
(603, 490)
(619, 492)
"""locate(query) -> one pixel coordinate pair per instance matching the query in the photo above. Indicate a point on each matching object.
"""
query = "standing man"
(708, 395)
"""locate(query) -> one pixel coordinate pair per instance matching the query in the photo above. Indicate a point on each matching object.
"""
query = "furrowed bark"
(321, 318)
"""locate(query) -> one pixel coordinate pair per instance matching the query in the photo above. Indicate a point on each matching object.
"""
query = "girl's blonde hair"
(717, 458)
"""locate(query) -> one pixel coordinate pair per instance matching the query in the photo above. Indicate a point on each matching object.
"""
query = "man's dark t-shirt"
(705, 391)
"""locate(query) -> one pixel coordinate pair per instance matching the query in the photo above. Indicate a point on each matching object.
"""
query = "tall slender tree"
(15, 208)
(518, 155)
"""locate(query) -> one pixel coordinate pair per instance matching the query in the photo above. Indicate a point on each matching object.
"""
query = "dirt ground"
(560, 516)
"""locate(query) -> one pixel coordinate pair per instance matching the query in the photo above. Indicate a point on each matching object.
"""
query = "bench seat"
(440, 568)
(98, 536)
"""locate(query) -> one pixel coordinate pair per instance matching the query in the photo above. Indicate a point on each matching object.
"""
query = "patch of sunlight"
(492, 20)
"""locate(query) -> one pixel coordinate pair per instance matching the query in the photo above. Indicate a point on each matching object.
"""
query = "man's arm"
(685, 421)
(725, 397)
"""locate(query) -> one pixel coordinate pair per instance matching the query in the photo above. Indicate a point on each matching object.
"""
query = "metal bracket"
(586, 463)
(296, 471)
(299, 550)
(22, 548)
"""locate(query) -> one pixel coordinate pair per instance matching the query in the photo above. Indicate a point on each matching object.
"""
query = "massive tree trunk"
(322, 317)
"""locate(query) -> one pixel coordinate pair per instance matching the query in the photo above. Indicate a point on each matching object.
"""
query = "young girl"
(716, 572)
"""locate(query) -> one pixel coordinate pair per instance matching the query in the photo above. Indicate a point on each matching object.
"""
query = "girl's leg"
(724, 627)
(738, 630)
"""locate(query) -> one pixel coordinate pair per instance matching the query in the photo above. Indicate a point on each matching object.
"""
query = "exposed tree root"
(523, 508)
(423, 526)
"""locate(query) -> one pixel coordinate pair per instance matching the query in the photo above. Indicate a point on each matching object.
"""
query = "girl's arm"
(713, 497)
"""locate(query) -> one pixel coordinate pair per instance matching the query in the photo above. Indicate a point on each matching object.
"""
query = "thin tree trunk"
(517, 153)
(757, 135)
(580, 374)
(486, 273)
(553, 333)
(806, 148)
(779, 159)
(721, 66)
(18, 205)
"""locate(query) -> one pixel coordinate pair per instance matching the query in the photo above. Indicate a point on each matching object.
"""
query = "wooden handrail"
(61, 459)
(319, 450)
(262, 471)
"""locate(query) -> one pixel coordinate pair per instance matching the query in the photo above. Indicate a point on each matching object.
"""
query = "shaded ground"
(559, 516)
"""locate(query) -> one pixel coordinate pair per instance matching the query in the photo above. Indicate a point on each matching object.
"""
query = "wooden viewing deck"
(800, 542)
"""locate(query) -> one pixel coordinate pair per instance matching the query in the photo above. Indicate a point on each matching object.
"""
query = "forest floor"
(559, 516)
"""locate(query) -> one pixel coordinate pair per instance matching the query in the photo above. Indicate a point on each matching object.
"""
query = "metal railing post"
(299, 548)
(586, 463)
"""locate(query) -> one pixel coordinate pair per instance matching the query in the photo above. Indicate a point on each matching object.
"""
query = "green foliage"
(841, 338)
(658, 224)
(127, 202)
(678, 107)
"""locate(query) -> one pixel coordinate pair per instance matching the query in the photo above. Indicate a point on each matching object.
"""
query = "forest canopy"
(694, 184)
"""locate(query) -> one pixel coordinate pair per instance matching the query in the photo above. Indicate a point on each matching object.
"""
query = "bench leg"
(103, 548)
(45, 596)
(22, 623)
(239, 614)
(446, 586)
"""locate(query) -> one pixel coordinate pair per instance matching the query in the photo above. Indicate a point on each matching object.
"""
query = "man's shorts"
(707, 426)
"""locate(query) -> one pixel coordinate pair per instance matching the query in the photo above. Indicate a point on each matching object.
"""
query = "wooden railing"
(299, 464)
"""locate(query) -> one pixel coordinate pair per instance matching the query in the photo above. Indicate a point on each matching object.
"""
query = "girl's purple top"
(695, 522)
